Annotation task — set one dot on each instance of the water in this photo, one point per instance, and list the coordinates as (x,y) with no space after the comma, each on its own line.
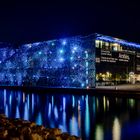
(89,117)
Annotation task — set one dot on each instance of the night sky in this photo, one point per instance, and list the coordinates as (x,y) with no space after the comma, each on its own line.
(32,21)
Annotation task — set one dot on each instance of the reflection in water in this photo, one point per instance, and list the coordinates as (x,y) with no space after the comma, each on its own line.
(87,118)
(99,133)
(131,102)
(91,117)
(116,129)
(74,125)
(26,113)
(104,103)
(107,104)
(97,104)
(33,103)
(63,126)
(23,97)
(4,97)
(73,101)
(79,118)
(56,113)
(28,101)
(39,119)
(6,111)
(52,101)
(94,106)
(64,103)
(17,112)
(10,100)
(49,112)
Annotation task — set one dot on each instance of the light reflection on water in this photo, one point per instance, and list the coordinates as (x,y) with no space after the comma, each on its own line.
(99,132)
(116,130)
(90,117)
(87,118)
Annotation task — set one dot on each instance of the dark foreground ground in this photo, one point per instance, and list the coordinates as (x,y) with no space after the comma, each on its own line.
(18,129)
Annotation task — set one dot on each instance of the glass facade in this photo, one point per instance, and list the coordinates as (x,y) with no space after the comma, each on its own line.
(117,61)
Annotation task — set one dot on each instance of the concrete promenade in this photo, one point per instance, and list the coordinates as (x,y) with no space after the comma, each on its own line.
(125,87)
(119,90)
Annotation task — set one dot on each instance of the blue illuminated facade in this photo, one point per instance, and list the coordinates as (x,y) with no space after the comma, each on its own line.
(63,63)
(75,62)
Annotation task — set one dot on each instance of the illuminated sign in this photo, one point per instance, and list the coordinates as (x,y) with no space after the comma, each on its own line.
(124,56)
(108,59)
(113,57)
(108,53)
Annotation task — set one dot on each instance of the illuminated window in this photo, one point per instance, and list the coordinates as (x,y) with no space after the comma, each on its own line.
(97,43)
(106,44)
(115,47)
(101,44)
(121,48)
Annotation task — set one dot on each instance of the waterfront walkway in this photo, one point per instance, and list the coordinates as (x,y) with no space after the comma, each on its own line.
(125,87)
(118,90)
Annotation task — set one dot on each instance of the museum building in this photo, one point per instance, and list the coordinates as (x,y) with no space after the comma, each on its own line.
(74,62)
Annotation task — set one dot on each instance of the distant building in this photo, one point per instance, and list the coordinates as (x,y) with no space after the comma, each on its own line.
(75,62)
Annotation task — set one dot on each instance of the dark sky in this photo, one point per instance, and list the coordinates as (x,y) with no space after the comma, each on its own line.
(31,21)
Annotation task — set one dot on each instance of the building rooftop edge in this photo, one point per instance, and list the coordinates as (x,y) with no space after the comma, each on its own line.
(116,40)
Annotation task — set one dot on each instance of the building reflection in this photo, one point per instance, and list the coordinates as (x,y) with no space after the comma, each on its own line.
(116,130)
(17,112)
(26,112)
(87,116)
(56,113)
(74,125)
(99,132)
(104,103)
(49,110)
(33,103)
(4,97)
(6,111)
(131,103)
(63,126)
(39,119)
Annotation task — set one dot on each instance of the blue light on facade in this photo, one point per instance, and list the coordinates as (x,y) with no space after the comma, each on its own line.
(71,58)
(64,42)
(52,43)
(61,59)
(73,51)
(82,85)
(39,52)
(75,48)
(61,51)
(29,45)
